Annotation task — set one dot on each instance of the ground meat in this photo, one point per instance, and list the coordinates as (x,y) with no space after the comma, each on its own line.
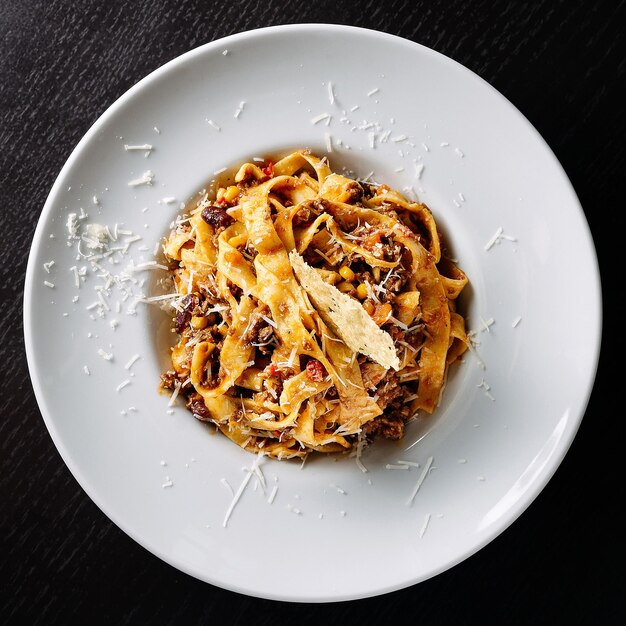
(388,390)
(302,215)
(216,216)
(388,426)
(315,370)
(265,336)
(396,333)
(235,290)
(372,374)
(255,324)
(196,405)
(275,383)
(169,380)
(369,190)
(391,249)
(394,284)
(183,317)
(356,192)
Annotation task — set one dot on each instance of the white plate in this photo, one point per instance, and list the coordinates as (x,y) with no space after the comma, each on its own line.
(332,532)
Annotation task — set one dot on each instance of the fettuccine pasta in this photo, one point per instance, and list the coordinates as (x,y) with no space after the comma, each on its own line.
(259,353)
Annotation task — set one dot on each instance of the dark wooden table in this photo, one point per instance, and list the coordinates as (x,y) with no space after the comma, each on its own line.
(63,63)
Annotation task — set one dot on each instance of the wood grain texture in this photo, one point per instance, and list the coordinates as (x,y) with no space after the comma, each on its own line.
(62,63)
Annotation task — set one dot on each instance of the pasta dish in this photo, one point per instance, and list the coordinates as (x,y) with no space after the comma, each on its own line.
(314,312)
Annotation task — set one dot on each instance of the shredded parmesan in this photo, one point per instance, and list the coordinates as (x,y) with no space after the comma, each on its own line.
(242,487)
(270,321)
(320,118)
(239,110)
(497,238)
(331,93)
(123,384)
(145,179)
(424,525)
(420,480)
(146,147)
(272,495)
(329,142)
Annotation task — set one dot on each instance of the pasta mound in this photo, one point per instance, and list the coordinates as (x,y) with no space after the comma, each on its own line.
(258,355)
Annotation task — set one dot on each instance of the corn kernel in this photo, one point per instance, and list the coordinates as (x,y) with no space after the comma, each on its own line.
(361,291)
(198,323)
(347,273)
(220,194)
(231,193)
(345,287)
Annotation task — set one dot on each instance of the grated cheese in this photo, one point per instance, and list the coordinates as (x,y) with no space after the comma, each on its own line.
(47,283)
(123,384)
(107,356)
(239,110)
(320,118)
(272,495)
(213,125)
(372,92)
(516,321)
(292,357)
(146,179)
(174,395)
(72,224)
(424,525)
(329,142)
(331,93)
(86,370)
(408,463)
(420,480)
(241,489)
(498,237)
(487,324)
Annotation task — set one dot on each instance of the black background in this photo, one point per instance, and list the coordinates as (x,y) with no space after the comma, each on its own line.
(62,64)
